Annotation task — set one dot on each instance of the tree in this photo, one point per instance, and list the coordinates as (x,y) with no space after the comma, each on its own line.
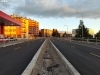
(97,34)
(40,34)
(85,30)
(65,34)
(55,33)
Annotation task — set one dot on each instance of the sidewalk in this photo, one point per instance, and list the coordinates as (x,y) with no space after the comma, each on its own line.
(4,44)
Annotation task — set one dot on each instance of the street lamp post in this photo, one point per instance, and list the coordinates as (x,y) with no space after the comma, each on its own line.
(82,25)
(67,28)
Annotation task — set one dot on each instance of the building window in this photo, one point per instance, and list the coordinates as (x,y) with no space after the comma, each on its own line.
(12,30)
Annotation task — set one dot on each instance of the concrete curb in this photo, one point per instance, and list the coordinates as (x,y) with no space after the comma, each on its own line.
(31,65)
(69,66)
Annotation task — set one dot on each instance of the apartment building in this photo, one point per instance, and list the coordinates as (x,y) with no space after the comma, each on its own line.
(46,32)
(35,28)
(21,31)
(28,29)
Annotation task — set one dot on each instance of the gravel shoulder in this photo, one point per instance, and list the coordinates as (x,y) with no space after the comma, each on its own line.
(49,62)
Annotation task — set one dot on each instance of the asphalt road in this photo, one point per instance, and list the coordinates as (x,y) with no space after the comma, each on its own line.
(14,59)
(85,59)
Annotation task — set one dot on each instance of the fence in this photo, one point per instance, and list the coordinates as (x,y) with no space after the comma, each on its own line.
(7,42)
(97,39)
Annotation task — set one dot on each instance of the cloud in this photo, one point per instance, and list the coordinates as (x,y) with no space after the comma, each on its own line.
(44,8)
(8,6)
(55,8)
(4,5)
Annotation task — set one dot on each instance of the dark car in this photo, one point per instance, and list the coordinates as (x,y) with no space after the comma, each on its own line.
(13,39)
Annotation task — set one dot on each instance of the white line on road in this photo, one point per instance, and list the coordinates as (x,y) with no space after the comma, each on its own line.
(86,46)
(95,55)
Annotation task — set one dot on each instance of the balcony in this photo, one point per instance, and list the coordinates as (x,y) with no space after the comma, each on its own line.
(23,31)
(23,26)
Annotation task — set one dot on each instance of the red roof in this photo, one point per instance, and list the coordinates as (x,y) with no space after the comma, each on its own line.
(5,16)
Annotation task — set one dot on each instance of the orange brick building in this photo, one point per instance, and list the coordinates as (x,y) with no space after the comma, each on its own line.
(34,27)
(28,29)
(46,32)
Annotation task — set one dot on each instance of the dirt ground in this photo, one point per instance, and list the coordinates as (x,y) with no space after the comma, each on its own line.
(49,63)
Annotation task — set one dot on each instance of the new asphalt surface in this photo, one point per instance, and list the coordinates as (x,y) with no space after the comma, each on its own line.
(85,58)
(15,58)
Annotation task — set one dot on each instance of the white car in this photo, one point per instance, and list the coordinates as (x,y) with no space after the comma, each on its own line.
(13,39)
(4,40)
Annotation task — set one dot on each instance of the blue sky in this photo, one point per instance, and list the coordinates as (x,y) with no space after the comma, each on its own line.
(56,13)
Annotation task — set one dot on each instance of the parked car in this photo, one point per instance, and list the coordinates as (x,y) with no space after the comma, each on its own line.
(4,40)
(13,39)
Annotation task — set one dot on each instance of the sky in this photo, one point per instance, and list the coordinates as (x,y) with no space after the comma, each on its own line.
(59,14)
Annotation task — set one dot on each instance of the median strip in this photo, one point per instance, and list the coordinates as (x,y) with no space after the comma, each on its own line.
(69,66)
(48,61)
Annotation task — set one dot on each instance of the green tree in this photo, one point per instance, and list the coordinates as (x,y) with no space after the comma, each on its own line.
(40,34)
(64,34)
(97,34)
(55,33)
(85,30)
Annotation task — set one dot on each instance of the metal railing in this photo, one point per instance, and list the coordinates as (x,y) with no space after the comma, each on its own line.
(91,40)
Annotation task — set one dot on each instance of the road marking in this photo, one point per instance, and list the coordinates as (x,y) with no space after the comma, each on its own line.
(87,46)
(95,55)
(16,48)
(73,46)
